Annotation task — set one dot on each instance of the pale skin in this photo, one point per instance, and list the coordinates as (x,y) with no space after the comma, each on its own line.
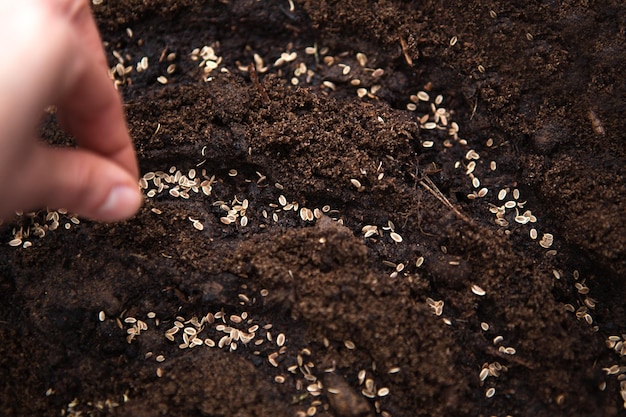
(51,54)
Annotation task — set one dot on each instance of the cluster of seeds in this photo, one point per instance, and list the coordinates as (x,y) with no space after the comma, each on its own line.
(77,409)
(38,224)
(436,306)
(371,231)
(435,118)
(176,183)
(209,61)
(233,331)
(618,344)
(619,371)
(493,370)
(508,208)
(583,312)
(236,211)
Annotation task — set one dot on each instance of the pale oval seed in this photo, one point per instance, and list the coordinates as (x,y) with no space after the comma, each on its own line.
(395,237)
(477,290)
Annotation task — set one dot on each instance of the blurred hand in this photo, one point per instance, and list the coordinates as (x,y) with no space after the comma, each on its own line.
(52,55)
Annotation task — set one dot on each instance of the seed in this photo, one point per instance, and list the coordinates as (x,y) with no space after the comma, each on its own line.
(361,376)
(477,290)
(349,344)
(419,261)
(453,41)
(423,96)
(476,182)
(244,221)
(280,339)
(224,341)
(428,144)
(279,379)
(490,392)
(101,316)
(395,237)
(484,374)
(384,391)
(502,194)
(484,326)
(361,58)
(162,80)
(159,372)
(430,125)
(510,204)
(160,358)
(522,219)
(533,233)
(546,240)
(356,183)
(198,225)
(15,242)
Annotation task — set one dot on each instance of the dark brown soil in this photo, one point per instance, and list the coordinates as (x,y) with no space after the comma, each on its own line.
(537,87)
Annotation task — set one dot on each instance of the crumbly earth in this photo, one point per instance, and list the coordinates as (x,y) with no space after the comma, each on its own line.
(338,318)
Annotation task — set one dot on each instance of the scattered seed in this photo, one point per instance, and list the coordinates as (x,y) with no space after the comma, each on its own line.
(478,291)
(490,392)
(102,316)
(382,392)
(395,237)
(423,96)
(280,339)
(349,344)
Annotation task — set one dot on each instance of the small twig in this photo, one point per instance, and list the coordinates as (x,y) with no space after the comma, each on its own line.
(474,109)
(432,188)
(405,51)
(255,80)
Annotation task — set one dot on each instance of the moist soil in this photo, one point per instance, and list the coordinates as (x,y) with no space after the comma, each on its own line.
(372,275)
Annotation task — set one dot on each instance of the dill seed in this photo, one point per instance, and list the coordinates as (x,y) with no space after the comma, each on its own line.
(478,291)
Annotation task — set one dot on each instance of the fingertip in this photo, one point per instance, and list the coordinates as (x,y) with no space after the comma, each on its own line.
(122,202)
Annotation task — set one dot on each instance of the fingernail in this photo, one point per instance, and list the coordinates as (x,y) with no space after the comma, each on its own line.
(122,202)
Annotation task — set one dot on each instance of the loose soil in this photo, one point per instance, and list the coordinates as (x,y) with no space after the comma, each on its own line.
(536,87)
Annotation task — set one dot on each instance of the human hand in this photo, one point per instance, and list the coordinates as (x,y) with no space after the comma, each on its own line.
(52,55)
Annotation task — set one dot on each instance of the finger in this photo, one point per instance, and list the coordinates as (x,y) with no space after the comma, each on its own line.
(90,108)
(81,181)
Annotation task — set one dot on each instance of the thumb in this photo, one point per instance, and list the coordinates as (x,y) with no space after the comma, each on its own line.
(78,180)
